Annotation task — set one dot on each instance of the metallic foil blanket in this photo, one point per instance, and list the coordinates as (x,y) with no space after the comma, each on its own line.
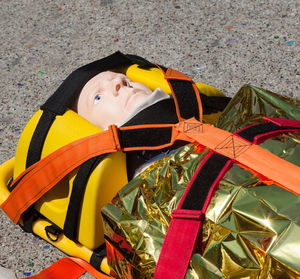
(252,225)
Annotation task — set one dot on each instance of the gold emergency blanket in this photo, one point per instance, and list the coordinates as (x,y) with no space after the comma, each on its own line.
(252,225)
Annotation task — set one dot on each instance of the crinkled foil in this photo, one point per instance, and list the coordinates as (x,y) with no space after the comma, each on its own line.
(251,104)
(252,225)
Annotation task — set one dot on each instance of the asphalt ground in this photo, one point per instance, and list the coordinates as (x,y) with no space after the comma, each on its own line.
(222,43)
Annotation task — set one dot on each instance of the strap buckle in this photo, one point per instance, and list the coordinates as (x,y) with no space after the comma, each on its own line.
(187,214)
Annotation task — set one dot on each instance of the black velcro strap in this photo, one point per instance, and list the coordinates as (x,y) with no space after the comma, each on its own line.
(75,203)
(186,98)
(162,112)
(251,132)
(29,217)
(213,104)
(38,138)
(145,137)
(98,256)
(185,95)
(204,180)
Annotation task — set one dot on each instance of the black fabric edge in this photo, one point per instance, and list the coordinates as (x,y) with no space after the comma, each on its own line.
(98,256)
(249,133)
(145,137)
(209,172)
(75,202)
(38,138)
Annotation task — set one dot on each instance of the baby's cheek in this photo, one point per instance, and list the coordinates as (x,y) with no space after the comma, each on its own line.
(106,115)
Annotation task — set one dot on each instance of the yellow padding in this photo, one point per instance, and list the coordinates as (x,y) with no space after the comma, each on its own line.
(63,243)
(6,173)
(105,181)
(154,78)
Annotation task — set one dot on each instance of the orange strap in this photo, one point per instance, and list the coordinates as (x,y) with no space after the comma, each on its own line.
(171,74)
(68,268)
(35,181)
(238,149)
(42,176)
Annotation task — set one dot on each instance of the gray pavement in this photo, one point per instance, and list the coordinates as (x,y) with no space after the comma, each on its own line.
(222,43)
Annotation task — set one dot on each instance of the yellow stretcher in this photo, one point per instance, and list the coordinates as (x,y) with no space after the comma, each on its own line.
(103,183)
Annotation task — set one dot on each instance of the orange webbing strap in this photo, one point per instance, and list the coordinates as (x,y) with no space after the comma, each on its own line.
(44,174)
(169,75)
(34,182)
(69,268)
(240,150)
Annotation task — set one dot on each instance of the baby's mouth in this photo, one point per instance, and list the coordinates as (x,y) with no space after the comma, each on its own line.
(127,102)
(135,93)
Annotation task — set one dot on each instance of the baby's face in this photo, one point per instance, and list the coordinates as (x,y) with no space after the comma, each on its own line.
(109,98)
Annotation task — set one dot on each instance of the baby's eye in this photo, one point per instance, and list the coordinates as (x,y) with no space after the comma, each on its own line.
(97,98)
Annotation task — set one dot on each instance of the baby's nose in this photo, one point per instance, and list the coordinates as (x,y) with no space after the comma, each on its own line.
(118,83)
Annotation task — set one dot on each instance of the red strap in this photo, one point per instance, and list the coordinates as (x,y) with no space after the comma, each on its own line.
(184,229)
(284,122)
(181,237)
(68,268)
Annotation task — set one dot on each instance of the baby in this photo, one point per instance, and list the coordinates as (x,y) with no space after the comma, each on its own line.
(112,98)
